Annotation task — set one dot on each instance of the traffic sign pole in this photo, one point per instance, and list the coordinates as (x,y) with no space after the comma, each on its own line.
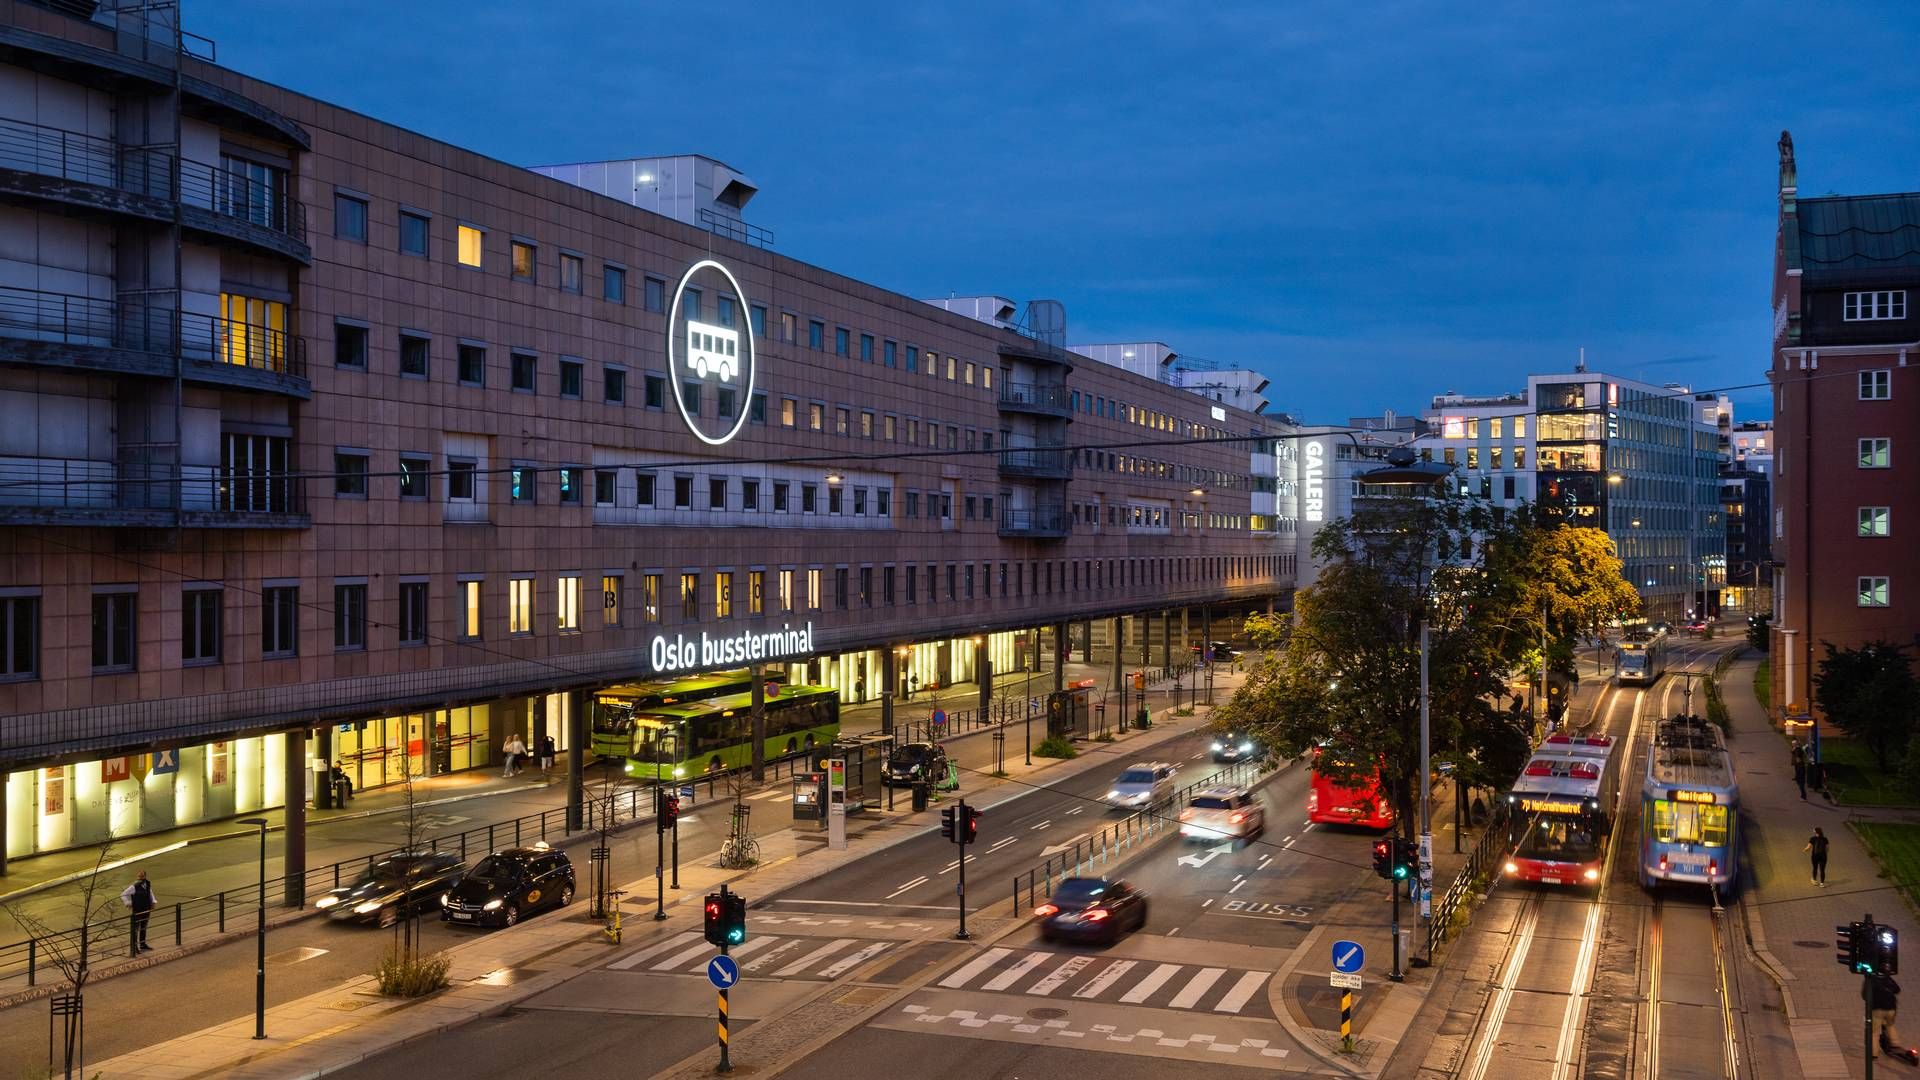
(960,841)
(725,1065)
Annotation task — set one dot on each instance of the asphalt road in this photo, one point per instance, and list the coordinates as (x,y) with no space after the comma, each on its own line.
(876,1054)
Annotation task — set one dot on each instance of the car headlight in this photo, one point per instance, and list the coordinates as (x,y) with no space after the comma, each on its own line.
(446,899)
(1217,748)
(493,905)
(367,908)
(1246,748)
(326,901)
(1113,794)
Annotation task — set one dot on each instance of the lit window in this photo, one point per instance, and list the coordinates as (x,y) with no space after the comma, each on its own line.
(611,585)
(469,594)
(1875,520)
(1876,453)
(1876,385)
(567,604)
(520,606)
(756,592)
(470,244)
(253,332)
(524,261)
(722,595)
(690,597)
(1874,592)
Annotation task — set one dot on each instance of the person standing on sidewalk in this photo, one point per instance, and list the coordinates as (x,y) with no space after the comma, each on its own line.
(1817,848)
(1800,773)
(139,897)
(512,751)
(1886,1005)
(546,754)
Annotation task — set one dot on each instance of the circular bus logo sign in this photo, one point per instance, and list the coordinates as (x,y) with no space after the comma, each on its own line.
(710,352)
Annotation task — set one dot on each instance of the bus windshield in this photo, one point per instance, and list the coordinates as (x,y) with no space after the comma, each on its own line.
(1560,838)
(1689,823)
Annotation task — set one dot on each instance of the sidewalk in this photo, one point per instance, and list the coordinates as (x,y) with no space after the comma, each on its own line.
(339,1027)
(1789,920)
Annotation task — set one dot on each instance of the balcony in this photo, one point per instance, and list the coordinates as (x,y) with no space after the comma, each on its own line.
(1035,523)
(65,492)
(93,173)
(1051,400)
(86,334)
(1037,462)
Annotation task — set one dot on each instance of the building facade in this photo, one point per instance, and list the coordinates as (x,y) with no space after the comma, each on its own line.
(325,440)
(1846,406)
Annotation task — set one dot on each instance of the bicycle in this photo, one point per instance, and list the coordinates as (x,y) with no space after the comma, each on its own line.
(739,852)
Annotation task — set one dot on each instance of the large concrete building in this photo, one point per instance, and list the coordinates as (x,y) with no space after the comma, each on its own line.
(1846,411)
(326,440)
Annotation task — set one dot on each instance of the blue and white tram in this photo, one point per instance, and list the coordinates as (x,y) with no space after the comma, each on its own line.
(1643,659)
(1689,808)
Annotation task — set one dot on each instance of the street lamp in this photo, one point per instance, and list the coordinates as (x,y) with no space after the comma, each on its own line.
(260,962)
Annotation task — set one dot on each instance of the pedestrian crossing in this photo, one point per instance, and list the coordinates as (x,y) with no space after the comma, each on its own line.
(1044,973)
(767,955)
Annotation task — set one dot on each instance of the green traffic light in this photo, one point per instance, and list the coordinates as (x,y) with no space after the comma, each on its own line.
(1400,873)
(736,936)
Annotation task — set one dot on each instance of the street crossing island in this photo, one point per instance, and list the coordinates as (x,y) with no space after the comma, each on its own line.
(672,652)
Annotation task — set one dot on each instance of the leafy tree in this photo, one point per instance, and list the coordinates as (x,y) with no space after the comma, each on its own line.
(1870,692)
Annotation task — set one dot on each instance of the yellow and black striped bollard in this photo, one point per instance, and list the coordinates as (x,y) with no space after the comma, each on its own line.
(1346,1022)
(725,1065)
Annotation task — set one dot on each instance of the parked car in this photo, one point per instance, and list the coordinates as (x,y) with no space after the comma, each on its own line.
(1697,626)
(1234,746)
(509,885)
(382,893)
(916,760)
(1091,909)
(1223,813)
(1222,652)
(1144,783)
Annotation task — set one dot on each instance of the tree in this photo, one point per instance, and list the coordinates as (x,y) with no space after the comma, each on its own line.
(1759,632)
(71,951)
(1576,574)
(1870,693)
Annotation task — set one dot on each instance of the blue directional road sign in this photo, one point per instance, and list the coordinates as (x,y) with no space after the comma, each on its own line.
(1348,957)
(939,717)
(723,972)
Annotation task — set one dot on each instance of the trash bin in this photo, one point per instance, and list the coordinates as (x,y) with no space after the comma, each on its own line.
(922,792)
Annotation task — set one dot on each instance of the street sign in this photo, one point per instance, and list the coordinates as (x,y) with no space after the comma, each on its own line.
(1348,957)
(1343,980)
(723,971)
(939,717)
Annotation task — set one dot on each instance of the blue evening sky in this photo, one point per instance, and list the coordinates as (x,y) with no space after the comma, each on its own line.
(1369,202)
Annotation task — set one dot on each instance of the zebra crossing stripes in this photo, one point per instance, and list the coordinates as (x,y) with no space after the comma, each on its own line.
(1196,988)
(780,957)
(974,967)
(1149,984)
(1018,971)
(1042,973)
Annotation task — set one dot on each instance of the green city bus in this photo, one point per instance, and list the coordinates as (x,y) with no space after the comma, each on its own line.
(613,707)
(677,741)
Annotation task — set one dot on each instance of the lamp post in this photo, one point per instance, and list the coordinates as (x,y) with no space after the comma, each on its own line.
(260,959)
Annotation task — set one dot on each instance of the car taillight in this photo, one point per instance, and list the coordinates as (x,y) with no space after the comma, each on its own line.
(1236,818)
(1097,915)
(1045,910)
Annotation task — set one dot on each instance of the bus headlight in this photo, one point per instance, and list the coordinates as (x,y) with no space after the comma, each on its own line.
(1513,868)
(1592,874)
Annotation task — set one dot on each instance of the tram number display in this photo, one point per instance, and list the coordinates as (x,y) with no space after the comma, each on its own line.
(1677,795)
(1550,806)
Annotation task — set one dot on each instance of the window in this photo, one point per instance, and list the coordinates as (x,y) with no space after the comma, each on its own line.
(723,311)
(690,396)
(724,401)
(1876,385)
(656,294)
(788,407)
(866,586)
(413,475)
(716,493)
(723,594)
(866,348)
(1873,592)
(891,351)
(886,585)
(350,473)
(472,362)
(809,498)
(690,303)
(613,284)
(813,589)
(913,504)
(816,334)
(470,245)
(526,372)
(650,596)
(614,385)
(881,502)
(986,376)
(413,613)
(523,482)
(841,337)
(605,484)
(349,346)
(969,375)
(643,488)
(611,586)
(1876,453)
(816,416)
(279,621)
(749,495)
(757,408)
(866,424)
(566,604)
(468,594)
(786,592)
(840,588)
(349,218)
(520,605)
(200,626)
(571,377)
(656,392)
(758,320)
(833,499)
(1867,306)
(413,233)
(570,481)
(756,592)
(525,260)
(414,351)
(913,584)
(841,420)
(460,480)
(1875,520)
(953,363)
(683,492)
(571,270)
(19,637)
(890,427)
(349,617)
(690,597)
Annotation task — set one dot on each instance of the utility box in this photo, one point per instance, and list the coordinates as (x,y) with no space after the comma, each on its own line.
(810,798)
(1070,713)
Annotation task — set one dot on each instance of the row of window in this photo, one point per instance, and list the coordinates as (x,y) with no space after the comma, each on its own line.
(1874,306)
(204,611)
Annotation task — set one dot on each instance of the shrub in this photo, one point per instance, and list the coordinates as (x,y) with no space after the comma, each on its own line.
(1105,736)
(1054,746)
(403,974)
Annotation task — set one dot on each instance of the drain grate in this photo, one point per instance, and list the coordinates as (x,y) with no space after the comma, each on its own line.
(1045,1014)
(1814,944)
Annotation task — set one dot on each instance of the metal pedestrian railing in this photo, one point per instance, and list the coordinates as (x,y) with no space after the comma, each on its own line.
(1481,863)
(1106,846)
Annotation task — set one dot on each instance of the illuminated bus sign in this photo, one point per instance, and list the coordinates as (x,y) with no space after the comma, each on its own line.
(675,652)
(707,359)
(1677,795)
(1313,483)
(1550,806)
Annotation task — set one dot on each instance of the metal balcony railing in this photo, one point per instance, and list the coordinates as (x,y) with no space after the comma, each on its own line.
(242,198)
(86,159)
(1037,461)
(1053,397)
(31,314)
(1035,521)
(32,485)
(735,229)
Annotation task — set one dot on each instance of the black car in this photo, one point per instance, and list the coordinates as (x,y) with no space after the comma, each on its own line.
(382,894)
(1234,746)
(509,885)
(1092,909)
(1223,653)
(917,760)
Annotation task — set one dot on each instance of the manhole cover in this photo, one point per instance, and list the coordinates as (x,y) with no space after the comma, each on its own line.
(1813,944)
(1045,1014)
(349,1005)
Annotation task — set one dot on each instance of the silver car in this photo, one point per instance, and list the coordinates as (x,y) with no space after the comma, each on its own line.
(1143,784)
(1223,813)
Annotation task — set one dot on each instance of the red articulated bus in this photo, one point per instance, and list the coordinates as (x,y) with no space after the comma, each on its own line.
(1330,802)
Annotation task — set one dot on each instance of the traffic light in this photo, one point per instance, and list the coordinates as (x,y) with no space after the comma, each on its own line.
(1383,858)
(725,919)
(1886,950)
(1405,856)
(946,823)
(715,926)
(666,810)
(970,825)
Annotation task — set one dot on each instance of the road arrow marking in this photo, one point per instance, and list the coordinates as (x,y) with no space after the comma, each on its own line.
(1202,860)
(1065,845)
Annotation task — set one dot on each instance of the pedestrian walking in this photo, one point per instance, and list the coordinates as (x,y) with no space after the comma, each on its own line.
(1817,848)
(512,751)
(139,899)
(1800,776)
(1886,1005)
(546,754)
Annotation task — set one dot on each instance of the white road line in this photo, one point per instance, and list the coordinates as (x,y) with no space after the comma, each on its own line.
(1075,810)
(974,967)
(1145,987)
(1288,839)
(998,844)
(1099,983)
(677,941)
(1236,887)
(814,957)
(856,959)
(1173,931)
(785,948)
(1059,976)
(1242,991)
(1207,903)
(1189,995)
(679,960)
(1042,825)
(914,884)
(944,908)
(1018,971)
(955,865)
(737,952)
(1264,860)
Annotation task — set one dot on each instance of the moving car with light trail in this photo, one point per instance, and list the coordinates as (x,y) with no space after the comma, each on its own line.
(382,894)
(1229,746)
(1143,784)
(1223,813)
(1092,909)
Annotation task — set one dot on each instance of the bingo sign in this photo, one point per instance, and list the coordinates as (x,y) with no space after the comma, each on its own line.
(710,351)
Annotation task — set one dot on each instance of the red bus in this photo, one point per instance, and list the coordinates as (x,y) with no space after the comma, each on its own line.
(1332,803)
